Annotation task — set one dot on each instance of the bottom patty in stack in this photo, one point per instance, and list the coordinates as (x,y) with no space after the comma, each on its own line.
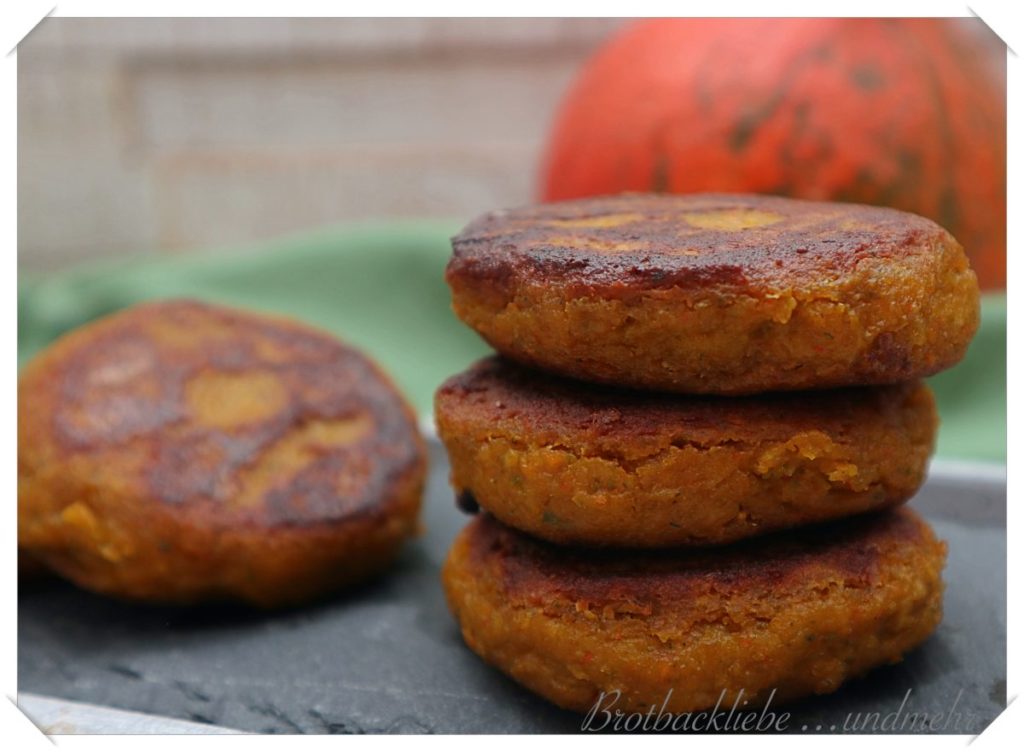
(793,614)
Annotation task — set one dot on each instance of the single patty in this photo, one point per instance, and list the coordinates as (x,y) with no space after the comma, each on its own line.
(796,613)
(717,294)
(580,463)
(179,452)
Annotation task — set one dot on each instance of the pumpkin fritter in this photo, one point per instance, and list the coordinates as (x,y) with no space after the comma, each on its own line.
(717,293)
(580,463)
(179,452)
(798,612)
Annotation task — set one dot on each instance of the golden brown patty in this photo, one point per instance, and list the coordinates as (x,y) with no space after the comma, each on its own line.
(798,612)
(179,452)
(578,463)
(717,294)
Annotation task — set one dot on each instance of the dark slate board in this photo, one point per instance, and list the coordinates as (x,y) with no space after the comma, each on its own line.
(388,657)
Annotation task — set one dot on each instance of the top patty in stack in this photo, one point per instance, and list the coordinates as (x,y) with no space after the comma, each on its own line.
(717,294)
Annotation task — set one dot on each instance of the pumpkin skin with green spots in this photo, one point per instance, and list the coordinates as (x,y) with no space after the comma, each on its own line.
(907,113)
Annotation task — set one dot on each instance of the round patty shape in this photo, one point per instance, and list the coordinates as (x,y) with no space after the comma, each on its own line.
(797,613)
(178,452)
(579,463)
(717,294)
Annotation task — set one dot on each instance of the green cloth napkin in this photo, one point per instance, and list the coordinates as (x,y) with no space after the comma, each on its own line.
(381,287)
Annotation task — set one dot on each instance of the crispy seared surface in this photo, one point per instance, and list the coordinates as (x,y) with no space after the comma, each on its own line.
(535,572)
(798,612)
(579,463)
(711,293)
(178,451)
(620,245)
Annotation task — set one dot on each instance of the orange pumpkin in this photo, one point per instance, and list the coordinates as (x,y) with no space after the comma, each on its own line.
(909,113)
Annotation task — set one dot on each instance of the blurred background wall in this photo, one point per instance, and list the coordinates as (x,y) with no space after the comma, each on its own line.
(150,136)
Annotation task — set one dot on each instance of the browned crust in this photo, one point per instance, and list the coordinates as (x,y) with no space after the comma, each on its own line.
(543,408)
(814,242)
(849,551)
(205,435)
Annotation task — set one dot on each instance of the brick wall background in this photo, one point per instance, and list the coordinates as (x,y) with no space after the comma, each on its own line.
(147,136)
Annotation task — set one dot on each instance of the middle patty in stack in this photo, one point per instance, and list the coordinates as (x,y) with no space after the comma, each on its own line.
(585,464)
(786,341)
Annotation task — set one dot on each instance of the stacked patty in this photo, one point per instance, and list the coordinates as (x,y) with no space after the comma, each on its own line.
(692,446)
